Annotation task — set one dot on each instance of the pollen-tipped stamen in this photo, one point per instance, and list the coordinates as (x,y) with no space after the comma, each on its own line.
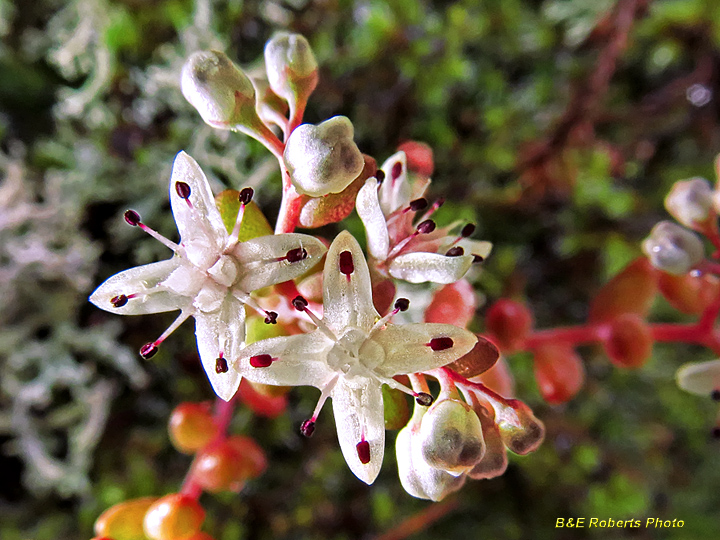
(456,251)
(363,451)
(433,208)
(300,304)
(245,196)
(183,190)
(307,428)
(440,343)
(221,365)
(261,360)
(133,219)
(402,304)
(152,348)
(270,316)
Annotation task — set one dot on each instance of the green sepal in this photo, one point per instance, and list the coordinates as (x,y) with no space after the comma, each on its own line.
(254,221)
(397,412)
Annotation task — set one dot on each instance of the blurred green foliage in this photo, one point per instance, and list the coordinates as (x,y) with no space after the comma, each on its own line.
(89,102)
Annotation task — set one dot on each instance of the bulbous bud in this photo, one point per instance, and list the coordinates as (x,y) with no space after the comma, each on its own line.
(630,291)
(252,460)
(451,436)
(418,477)
(688,293)
(174,517)
(520,430)
(219,90)
(495,461)
(672,248)
(291,65)
(216,469)
(191,427)
(124,521)
(453,304)
(690,201)
(700,378)
(323,159)
(509,322)
(261,402)
(559,372)
(630,341)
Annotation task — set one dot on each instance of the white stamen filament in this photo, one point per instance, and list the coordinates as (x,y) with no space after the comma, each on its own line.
(325,329)
(184,315)
(325,393)
(236,229)
(382,322)
(160,238)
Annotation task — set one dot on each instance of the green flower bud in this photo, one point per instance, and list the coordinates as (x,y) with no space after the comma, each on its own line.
(219,90)
(690,201)
(323,159)
(672,248)
(291,66)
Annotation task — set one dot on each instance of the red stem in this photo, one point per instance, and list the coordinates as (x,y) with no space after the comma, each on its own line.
(222,416)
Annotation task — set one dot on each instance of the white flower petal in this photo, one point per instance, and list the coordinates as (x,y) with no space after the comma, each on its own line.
(300,361)
(221,331)
(395,192)
(408,347)
(200,227)
(368,208)
(136,281)
(359,415)
(471,247)
(701,378)
(347,298)
(421,267)
(261,261)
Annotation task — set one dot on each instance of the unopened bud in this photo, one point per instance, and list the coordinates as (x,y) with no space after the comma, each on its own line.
(417,476)
(672,248)
(520,430)
(495,461)
(323,159)
(291,66)
(690,201)
(451,436)
(630,341)
(219,90)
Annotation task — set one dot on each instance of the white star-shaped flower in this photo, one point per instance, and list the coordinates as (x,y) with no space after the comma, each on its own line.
(420,252)
(351,354)
(210,276)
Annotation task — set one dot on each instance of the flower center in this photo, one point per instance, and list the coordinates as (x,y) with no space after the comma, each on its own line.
(354,355)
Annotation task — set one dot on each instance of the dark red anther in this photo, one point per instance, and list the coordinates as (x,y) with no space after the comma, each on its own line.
(299,303)
(363,451)
(424,399)
(467,230)
(478,259)
(296,255)
(402,304)
(148,350)
(347,266)
(715,395)
(455,251)
(261,360)
(271,317)
(132,218)
(119,301)
(426,226)
(380,176)
(246,195)
(182,189)
(439,202)
(441,343)
(418,204)
(221,365)
(396,170)
(715,433)
(307,428)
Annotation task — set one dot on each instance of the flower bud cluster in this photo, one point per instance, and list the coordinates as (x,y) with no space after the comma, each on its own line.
(452,440)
